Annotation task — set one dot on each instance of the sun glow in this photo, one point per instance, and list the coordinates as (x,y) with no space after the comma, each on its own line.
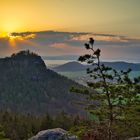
(12,39)
(4,34)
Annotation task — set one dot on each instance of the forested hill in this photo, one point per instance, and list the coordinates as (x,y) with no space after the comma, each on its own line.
(27,86)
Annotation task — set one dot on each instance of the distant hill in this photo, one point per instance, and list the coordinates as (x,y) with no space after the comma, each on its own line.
(123,65)
(70,66)
(27,86)
(76,66)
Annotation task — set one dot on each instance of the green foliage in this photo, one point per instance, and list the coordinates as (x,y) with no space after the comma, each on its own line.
(21,127)
(78,130)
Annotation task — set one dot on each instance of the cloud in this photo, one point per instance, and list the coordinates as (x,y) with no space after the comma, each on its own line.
(107,39)
(53,43)
(26,35)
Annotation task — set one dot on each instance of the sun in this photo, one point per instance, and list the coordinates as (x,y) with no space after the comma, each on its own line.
(3,34)
(6,35)
(9,26)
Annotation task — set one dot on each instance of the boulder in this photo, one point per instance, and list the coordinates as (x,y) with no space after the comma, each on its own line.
(54,134)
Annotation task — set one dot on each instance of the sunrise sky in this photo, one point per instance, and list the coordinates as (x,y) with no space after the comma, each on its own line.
(103,18)
(111,16)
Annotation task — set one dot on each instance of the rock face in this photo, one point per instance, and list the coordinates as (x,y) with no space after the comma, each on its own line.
(54,134)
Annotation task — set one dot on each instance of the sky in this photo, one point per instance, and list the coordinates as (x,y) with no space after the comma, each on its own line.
(101,19)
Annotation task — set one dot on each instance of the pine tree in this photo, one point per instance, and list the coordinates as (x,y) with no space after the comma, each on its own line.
(114,90)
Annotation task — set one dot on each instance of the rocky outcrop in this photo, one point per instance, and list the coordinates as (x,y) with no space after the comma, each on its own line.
(54,134)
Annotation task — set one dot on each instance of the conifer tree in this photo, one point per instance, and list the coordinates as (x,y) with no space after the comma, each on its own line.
(115,91)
